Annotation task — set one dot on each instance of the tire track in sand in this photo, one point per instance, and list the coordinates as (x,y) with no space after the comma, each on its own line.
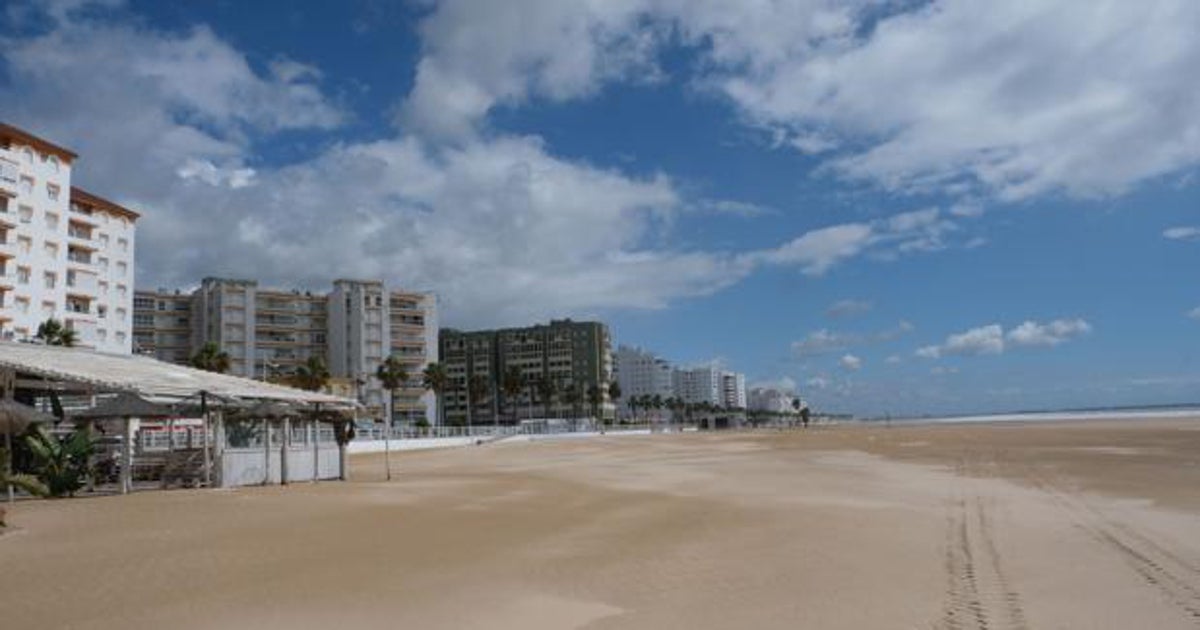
(1173,576)
(979,595)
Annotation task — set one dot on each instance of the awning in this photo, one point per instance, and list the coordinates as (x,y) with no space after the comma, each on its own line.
(145,376)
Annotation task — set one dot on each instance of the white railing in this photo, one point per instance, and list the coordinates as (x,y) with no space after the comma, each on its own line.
(487,431)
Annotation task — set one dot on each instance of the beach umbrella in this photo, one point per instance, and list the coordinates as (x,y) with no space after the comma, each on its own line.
(15,418)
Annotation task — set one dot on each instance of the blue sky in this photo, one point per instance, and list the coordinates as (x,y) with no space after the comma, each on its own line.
(893,207)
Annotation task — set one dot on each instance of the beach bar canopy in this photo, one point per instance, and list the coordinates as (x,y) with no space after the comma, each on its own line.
(263,445)
(145,376)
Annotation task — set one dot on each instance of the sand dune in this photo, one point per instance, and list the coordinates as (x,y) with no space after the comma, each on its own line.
(1079,525)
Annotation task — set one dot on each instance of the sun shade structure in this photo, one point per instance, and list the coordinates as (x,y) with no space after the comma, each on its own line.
(249,432)
(145,376)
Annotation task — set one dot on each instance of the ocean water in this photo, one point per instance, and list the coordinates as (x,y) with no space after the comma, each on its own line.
(1145,413)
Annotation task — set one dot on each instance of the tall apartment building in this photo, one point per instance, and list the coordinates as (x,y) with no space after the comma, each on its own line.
(641,373)
(569,354)
(771,400)
(269,333)
(710,384)
(64,253)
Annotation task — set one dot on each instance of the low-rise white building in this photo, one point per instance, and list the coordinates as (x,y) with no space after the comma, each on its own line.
(65,253)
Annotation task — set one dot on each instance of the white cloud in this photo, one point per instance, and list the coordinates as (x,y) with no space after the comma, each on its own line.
(850,362)
(1032,333)
(939,370)
(990,339)
(818,383)
(1195,313)
(929,352)
(825,341)
(1182,233)
(1007,99)
(893,360)
(848,308)
(818,251)
(983,340)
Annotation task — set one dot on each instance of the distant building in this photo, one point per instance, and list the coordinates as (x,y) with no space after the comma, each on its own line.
(710,384)
(569,354)
(770,400)
(65,253)
(641,373)
(733,390)
(270,333)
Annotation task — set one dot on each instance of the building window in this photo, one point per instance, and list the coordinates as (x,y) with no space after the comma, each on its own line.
(121,315)
(121,291)
(26,185)
(53,162)
(123,243)
(101,311)
(23,275)
(51,221)
(27,153)
(25,243)
(122,268)
(49,279)
(103,240)
(52,191)
(26,214)
(101,334)
(51,249)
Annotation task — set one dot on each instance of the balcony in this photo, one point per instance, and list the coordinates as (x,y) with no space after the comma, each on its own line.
(8,277)
(8,247)
(9,175)
(80,235)
(81,283)
(79,256)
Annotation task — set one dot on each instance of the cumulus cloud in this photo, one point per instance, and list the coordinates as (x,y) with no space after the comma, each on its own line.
(1182,233)
(1009,99)
(893,360)
(825,341)
(1032,333)
(1195,313)
(848,308)
(850,363)
(990,339)
(817,251)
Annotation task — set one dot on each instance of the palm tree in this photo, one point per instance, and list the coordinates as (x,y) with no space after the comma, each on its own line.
(435,379)
(656,403)
(62,465)
(512,384)
(573,397)
(478,387)
(594,398)
(548,391)
(210,358)
(54,333)
(312,375)
(614,394)
(392,376)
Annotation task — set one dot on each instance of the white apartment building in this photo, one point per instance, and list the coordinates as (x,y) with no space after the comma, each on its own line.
(698,385)
(64,253)
(733,390)
(641,373)
(770,400)
(710,384)
(270,332)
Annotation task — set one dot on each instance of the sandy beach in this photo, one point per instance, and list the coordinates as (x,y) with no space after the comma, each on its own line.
(1054,525)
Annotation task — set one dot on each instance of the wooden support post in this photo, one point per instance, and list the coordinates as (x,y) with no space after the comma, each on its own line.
(315,427)
(219,449)
(284,443)
(127,456)
(207,450)
(266,424)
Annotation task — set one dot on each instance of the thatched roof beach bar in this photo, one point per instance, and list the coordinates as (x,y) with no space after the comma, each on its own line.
(237,443)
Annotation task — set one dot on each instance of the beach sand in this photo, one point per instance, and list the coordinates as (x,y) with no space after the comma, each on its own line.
(1054,525)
